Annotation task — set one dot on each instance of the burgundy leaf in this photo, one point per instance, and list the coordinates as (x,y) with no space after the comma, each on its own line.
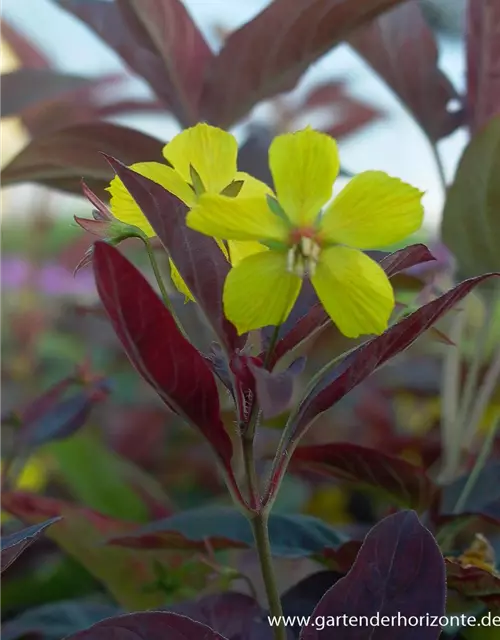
(27,53)
(360,364)
(199,260)
(81,104)
(157,349)
(403,483)
(268,55)
(183,50)
(148,625)
(60,159)
(15,543)
(483,54)
(470,580)
(399,571)
(107,21)
(401,49)
(317,319)
(25,88)
(80,533)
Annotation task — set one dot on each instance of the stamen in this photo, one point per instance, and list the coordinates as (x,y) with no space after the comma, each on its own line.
(302,258)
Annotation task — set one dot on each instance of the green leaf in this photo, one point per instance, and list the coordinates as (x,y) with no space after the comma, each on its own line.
(292,535)
(471,217)
(94,477)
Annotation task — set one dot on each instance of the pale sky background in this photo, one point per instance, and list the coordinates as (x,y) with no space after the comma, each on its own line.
(395,144)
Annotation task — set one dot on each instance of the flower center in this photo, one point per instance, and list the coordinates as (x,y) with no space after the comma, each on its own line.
(303,256)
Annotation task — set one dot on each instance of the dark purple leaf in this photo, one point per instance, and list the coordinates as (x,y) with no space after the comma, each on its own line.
(64,418)
(483,51)
(148,625)
(359,365)
(268,55)
(107,21)
(403,483)
(401,48)
(25,88)
(233,615)
(275,390)
(292,536)
(316,318)
(157,349)
(343,558)
(15,543)
(301,599)
(398,571)
(46,401)
(26,52)
(183,49)
(199,260)
(62,158)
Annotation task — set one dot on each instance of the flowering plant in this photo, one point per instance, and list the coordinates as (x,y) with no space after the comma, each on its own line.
(262,263)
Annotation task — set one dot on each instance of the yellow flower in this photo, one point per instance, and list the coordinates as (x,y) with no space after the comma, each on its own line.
(33,478)
(373,210)
(199,160)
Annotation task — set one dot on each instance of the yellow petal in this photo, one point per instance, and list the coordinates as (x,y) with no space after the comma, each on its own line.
(237,218)
(210,150)
(238,250)
(260,291)
(354,291)
(251,186)
(374,210)
(179,283)
(125,209)
(304,166)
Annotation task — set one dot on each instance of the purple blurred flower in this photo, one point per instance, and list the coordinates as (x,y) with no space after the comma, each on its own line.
(50,279)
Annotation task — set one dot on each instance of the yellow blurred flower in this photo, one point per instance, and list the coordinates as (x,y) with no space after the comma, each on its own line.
(33,478)
(373,210)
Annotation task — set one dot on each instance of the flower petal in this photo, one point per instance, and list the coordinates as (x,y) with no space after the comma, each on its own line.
(210,150)
(304,166)
(251,186)
(374,210)
(179,283)
(354,291)
(260,291)
(238,250)
(124,207)
(237,218)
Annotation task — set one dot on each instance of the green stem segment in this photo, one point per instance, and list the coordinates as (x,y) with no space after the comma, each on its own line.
(161,284)
(261,535)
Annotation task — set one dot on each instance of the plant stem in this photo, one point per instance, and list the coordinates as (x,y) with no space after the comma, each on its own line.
(478,466)
(263,545)
(161,284)
(470,387)
(449,401)
(250,474)
(439,164)
(485,392)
